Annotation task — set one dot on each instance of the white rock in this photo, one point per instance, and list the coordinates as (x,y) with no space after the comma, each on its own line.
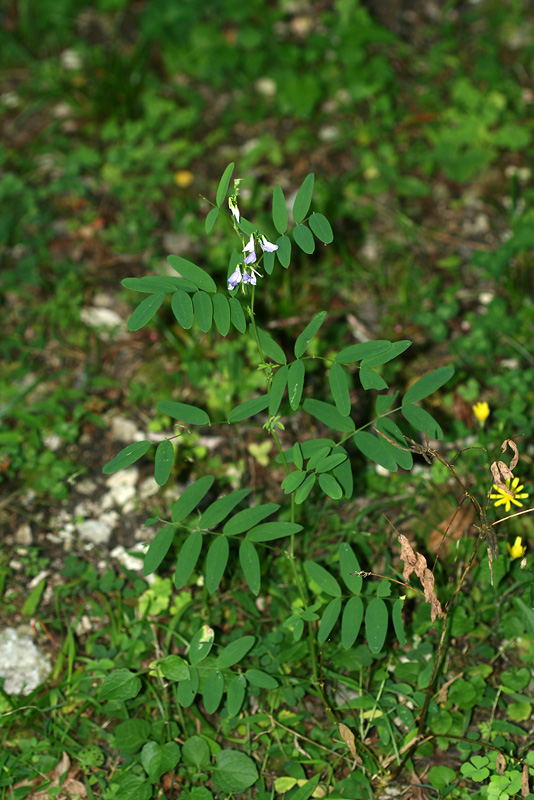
(23,535)
(125,430)
(86,486)
(97,531)
(105,321)
(118,496)
(53,442)
(148,488)
(22,665)
(124,477)
(125,557)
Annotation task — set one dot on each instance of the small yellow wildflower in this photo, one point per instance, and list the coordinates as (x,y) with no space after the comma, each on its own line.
(517,550)
(503,499)
(481,411)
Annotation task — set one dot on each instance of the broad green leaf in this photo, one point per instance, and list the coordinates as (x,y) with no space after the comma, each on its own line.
(329,619)
(247,227)
(422,421)
(351,621)
(370,379)
(301,206)
(309,332)
(201,644)
(330,486)
(328,415)
(190,498)
(187,560)
(376,624)
(304,489)
(382,358)
(220,509)
(163,462)
(249,408)
(234,772)
(278,387)
(328,463)
(121,684)
(343,473)
(304,238)
(250,564)
(235,695)
(284,251)
(261,679)
(268,263)
(237,315)
(184,412)
(222,188)
(293,481)
(321,228)
(187,690)
(182,308)
(158,549)
(295,383)
(268,531)
(279,210)
(221,313)
(211,219)
(355,352)
(398,624)
(374,448)
(203,310)
(192,273)
(144,312)
(216,562)
(427,384)
(339,386)
(159,758)
(128,455)
(196,752)
(173,667)
(270,348)
(246,519)
(212,691)
(131,735)
(348,563)
(234,652)
(157,283)
(323,578)
(402,455)
(385,401)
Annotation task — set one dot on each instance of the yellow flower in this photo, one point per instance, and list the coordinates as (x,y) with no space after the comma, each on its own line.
(517,550)
(481,411)
(503,499)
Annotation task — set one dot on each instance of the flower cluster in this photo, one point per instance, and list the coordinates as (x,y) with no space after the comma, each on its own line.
(250,275)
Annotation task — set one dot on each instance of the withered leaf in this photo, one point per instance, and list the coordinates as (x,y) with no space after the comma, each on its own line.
(415,562)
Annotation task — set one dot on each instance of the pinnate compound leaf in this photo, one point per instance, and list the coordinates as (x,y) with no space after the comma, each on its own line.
(304,238)
(270,348)
(211,219)
(295,383)
(192,273)
(163,462)
(356,352)
(216,562)
(182,308)
(234,652)
(187,560)
(382,358)
(235,695)
(268,531)
(278,387)
(249,408)
(398,624)
(374,448)
(212,691)
(427,384)
(309,332)
(183,412)
(337,377)
(203,310)
(328,415)
(234,772)
(351,621)
(246,519)
(422,421)
(158,549)
(201,644)
(284,251)
(301,206)
(348,563)
(279,210)
(220,509)
(128,455)
(222,188)
(376,624)
(328,620)
(190,498)
(250,564)
(370,379)
(304,489)
(321,228)
(330,486)
(237,315)
(323,578)
(121,684)
(144,312)
(221,313)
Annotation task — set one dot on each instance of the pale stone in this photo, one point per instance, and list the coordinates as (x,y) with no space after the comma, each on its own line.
(124,477)
(23,535)
(128,560)
(125,430)
(96,531)
(22,665)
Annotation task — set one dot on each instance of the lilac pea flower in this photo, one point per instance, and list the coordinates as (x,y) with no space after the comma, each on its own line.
(250,278)
(233,208)
(235,278)
(249,248)
(266,246)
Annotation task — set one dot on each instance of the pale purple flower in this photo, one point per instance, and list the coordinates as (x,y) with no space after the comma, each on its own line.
(235,278)
(249,248)
(250,278)
(266,246)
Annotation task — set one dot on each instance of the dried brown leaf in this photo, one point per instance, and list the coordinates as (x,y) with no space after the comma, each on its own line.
(525,791)
(512,445)
(415,562)
(501,763)
(501,473)
(348,737)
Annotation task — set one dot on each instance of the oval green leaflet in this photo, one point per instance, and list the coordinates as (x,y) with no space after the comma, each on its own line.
(304,238)
(234,652)
(158,549)
(127,456)
(295,383)
(376,624)
(328,620)
(212,690)
(250,564)
(144,312)
(321,228)
(309,332)
(216,561)
(192,273)
(222,188)
(182,308)
(351,621)
(163,462)
(302,203)
(187,560)
(279,210)
(201,644)
(190,498)
(183,412)
(324,580)
(203,310)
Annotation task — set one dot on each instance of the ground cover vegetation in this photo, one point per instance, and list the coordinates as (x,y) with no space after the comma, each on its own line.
(272,264)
